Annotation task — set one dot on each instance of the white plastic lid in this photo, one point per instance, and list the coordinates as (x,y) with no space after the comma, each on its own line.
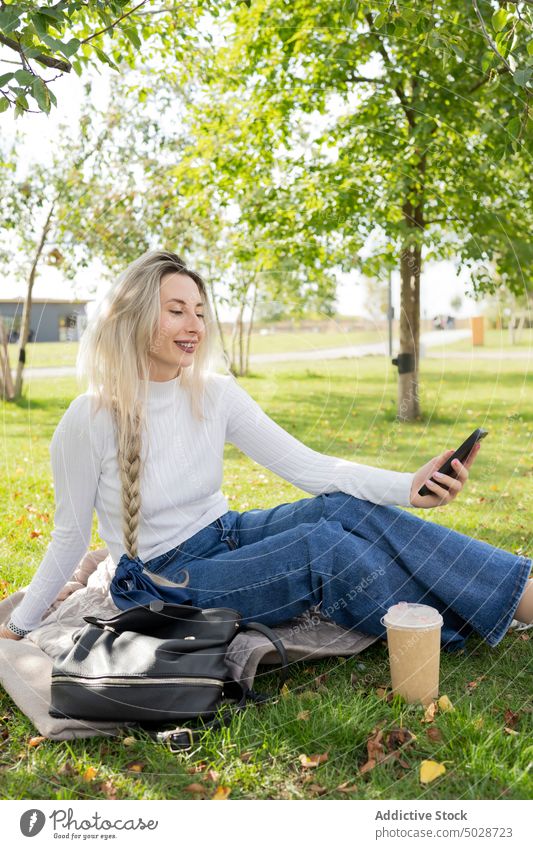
(408,615)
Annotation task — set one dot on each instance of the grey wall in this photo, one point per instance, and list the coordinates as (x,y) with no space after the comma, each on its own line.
(45,320)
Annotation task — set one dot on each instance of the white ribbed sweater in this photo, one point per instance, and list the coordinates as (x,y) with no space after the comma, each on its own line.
(181,486)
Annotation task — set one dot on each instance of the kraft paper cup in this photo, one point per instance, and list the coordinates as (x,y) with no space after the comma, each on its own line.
(413,639)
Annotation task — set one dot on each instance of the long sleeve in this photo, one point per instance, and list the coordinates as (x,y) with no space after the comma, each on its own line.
(257,435)
(75,458)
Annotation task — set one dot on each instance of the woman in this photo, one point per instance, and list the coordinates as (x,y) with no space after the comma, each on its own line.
(144,447)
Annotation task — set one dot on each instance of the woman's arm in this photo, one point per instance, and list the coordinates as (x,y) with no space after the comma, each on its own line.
(76,460)
(250,429)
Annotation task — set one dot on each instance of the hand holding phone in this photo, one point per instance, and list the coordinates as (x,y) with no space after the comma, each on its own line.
(461,454)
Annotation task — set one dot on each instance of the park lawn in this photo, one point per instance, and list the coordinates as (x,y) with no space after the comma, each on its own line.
(51,354)
(346,408)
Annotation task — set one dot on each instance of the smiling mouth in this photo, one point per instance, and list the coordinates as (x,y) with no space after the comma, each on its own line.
(188,347)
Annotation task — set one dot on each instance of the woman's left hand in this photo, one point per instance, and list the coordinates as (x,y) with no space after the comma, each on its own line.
(452,486)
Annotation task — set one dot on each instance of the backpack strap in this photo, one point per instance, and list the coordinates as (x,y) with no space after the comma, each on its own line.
(275,640)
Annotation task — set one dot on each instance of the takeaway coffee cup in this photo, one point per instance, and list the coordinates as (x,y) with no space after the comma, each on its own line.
(413,638)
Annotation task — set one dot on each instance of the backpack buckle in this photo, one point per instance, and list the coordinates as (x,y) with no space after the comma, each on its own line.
(177,739)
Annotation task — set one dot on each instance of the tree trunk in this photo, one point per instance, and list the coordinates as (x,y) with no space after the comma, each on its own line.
(250,326)
(26,313)
(408,399)
(7,391)
(217,319)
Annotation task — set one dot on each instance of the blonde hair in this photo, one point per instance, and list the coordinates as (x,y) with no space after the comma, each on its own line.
(114,357)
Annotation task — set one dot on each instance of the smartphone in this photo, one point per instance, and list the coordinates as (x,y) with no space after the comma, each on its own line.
(461,454)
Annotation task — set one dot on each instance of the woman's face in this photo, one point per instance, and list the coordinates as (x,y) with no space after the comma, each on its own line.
(181,328)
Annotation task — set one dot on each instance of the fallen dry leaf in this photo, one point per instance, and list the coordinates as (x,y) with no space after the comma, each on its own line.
(398,737)
(129,741)
(284,692)
(318,789)
(135,766)
(434,734)
(510,731)
(430,770)
(221,793)
(346,787)
(524,637)
(200,767)
(511,718)
(429,713)
(108,789)
(89,773)
(472,685)
(245,757)
(34,741)
(313,760)
(445,704)
(66,769)
(304,715)
(196,788)
(212,775)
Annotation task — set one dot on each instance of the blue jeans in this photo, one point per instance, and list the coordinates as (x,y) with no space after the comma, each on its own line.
(354,559)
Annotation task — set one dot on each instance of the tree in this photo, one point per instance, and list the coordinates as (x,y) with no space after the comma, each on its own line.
(49,39)
(393,128)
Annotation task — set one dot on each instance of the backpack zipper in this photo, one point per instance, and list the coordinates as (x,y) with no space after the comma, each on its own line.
(121,681)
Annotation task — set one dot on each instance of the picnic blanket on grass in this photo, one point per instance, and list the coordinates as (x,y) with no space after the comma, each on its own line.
(26,665)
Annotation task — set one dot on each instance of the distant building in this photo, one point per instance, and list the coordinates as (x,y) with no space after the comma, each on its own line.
(51,320)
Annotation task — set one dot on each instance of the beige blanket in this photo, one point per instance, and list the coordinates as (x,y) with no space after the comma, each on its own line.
(26,665)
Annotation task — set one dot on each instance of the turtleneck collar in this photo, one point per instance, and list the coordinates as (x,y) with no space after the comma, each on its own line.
(161,388)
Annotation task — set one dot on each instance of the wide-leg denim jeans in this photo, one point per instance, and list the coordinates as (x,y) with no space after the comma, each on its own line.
(352,558)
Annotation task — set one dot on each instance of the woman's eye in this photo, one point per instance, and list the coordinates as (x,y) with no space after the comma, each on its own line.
(179,312)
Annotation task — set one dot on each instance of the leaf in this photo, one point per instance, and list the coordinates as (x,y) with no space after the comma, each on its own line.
(24,77)
(434,734)
(108,789)
(312,760)
(34,741)
(40,93)
(429,713)
(346,787)
(510,731)
(129,741)
(135,766)
(221,793)
(4,104)
(304,715)
(212,775)
(196,788)
(319,789)
(430,770)
(499,19)
(89,773)
(522,76)
(4,78)
(511,718)
(284,692)
(245,757)
(445,704)
(399,737)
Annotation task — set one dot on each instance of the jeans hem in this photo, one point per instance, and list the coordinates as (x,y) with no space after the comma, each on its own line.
(498,632)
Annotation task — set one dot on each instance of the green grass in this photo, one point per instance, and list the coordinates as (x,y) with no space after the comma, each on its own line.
(345,408)
(49,354)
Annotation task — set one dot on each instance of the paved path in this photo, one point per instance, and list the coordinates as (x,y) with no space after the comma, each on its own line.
(427,340)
